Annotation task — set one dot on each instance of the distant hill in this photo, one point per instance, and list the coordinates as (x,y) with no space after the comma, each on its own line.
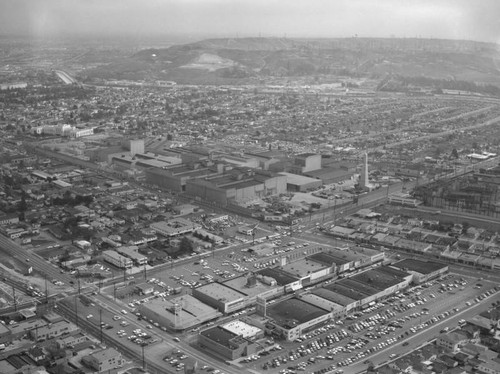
(244,60)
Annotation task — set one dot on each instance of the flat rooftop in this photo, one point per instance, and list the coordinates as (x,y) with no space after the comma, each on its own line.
(327,259)
(6,367)
(240,283)
(333,297)
(299,180)
(282,277)
(349,254)
(422,267)
(290,312)
(346,291)
(329,172)
(364,288)
(320,302)
(241,184)
(220,336)
(193,311)
(220,291)
(302,268)
(380,278)
(241,328)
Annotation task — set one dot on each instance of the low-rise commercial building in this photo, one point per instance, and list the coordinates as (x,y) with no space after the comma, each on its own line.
(52,330)
(132,252)
(225,343)
(178,314)
(104,360)
(422,271)
(175,227)
(117,259)
(223,298)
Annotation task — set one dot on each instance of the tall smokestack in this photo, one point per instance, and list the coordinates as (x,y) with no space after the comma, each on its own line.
(363,180)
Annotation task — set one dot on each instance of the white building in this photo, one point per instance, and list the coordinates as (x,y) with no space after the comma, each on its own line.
(174,227)
(78,133)
(117,259)
(133,253)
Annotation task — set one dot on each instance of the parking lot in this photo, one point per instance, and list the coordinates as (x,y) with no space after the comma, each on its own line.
(376,328)
(174,280)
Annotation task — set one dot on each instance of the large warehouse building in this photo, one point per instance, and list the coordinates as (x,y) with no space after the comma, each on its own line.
(218,181)
(300,183)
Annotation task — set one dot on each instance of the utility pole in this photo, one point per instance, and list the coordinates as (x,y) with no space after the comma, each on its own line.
(14,297)
(143,361)
(100,322)
(76,311)
(46,290)
(78,280)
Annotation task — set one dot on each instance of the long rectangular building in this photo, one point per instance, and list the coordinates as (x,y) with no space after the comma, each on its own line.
(132,253)
(175,227)
(117,259)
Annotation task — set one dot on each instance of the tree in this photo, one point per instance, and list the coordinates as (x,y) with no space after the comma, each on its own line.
(185,245)
(454,153)
(22,206)
(465,227)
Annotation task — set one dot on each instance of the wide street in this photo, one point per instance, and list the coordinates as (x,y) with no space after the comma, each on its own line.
(13,250)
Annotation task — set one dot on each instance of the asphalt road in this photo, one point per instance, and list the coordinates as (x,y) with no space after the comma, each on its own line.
(12,249)
(104,310)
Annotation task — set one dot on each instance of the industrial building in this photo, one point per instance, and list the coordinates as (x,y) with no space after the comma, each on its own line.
(333,172)
(237,185)
(217,181)
(175,178)
(306,162)
(300,183)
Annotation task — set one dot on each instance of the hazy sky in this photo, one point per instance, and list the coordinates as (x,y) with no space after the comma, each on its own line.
(454,19)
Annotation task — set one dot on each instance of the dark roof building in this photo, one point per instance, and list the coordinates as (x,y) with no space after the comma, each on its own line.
(225,344)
